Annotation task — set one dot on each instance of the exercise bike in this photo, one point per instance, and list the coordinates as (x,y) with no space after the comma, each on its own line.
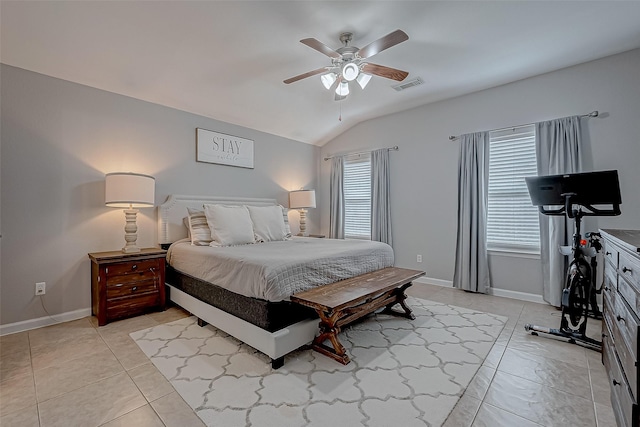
(577,194)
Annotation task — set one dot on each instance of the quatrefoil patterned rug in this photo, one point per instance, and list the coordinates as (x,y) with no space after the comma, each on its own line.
(402,372)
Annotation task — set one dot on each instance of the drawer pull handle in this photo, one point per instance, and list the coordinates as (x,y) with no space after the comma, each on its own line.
(607,253)
(620,318)
(616,382)
(625,270)
(135,288)
(606,288)
(134,266)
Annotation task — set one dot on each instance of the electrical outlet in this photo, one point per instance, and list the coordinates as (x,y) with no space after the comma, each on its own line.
(419,258)
(41,288)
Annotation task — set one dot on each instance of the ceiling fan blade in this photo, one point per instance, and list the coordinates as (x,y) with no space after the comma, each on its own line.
(390,40)
(321,47)
(305,75)
(386,72)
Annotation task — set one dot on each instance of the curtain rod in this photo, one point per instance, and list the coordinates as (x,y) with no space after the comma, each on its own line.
(591,114)
(394,148)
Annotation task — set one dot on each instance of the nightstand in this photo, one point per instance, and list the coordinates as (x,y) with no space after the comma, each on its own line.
(124,285)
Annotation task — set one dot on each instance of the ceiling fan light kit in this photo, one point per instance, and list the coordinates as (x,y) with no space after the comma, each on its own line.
(348,63)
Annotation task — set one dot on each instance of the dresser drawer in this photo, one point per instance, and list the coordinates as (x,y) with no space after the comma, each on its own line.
(627,324)
(629,269)
(624,406)
(140,268)
(125,290)
(610,252)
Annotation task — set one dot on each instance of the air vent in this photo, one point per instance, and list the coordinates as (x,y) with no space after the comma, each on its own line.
(406,85)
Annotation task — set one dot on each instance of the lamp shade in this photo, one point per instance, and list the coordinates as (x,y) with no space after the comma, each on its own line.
(126,189)
(302,199)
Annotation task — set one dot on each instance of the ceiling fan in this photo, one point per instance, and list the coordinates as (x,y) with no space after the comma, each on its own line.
(350,63)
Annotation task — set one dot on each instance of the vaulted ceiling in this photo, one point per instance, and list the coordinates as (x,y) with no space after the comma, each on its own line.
(227,59)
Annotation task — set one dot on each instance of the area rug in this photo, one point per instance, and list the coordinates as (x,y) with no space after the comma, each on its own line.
(402,372)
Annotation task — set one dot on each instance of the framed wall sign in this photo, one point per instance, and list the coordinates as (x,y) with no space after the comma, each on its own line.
(215,147)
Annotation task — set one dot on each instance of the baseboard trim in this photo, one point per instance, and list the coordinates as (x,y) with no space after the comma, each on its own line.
(26,325)
(522,296)
(434,281)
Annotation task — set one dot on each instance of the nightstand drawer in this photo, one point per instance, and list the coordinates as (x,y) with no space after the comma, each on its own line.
(121,290)
(627,324)
(610,252)
(124,307)
(144,267)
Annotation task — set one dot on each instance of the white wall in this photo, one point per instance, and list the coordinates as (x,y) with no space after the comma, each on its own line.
(58,141)
(424,171)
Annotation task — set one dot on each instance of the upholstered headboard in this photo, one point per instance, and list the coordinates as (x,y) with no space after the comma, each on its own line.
(172,212)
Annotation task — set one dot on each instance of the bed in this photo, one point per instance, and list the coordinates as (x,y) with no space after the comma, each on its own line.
(250,301)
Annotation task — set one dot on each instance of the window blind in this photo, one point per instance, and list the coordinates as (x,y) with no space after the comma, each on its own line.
(512,222)
(357,198)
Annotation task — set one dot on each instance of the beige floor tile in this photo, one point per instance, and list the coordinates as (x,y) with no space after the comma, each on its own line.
(74,374)
(549,372)
(144,416)
(604,416)
(174,412)
(422,290)
(15,363)
(92,405)
(494,356)
(14,342)
(150,381)
(480,383)
(56,353)
(548,347)
(463,413)
(127,351)
(169,315)
(600,387)
(61,333)
(17,393)
(491,416)
(538,403)
(121,328)
(27,417)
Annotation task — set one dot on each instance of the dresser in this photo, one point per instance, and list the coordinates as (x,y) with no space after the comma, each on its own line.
(621,325)
(124,285)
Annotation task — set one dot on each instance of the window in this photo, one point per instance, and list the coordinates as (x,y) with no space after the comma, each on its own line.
(512,222)
(357,198)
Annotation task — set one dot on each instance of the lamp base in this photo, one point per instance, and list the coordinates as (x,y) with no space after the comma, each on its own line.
(303,223)
(130,232)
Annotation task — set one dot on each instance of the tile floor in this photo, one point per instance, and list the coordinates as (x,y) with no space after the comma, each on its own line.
(75,374)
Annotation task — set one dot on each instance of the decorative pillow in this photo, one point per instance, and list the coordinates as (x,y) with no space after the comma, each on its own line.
(198,228)
(185,221)
(229,225)
(285,217)
(268,223)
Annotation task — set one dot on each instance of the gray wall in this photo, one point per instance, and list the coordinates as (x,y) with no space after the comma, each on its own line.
(58,141)
(424,171)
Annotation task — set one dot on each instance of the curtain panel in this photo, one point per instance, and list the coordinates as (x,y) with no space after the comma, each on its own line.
(336,196)
(380,196)
(558,151)
(471,271)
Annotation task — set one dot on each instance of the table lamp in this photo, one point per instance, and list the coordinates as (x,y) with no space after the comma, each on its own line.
(130,191)
(302,200)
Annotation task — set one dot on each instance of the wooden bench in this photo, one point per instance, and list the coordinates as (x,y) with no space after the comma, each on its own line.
(340,303)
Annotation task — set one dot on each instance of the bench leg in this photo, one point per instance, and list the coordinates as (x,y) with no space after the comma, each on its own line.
(400,297)
(329,331)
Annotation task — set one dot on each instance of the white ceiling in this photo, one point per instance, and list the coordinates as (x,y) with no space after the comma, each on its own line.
(227,60)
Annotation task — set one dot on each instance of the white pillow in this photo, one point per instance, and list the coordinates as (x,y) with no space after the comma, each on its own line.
(199,231)
(268,223)
(229,225)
